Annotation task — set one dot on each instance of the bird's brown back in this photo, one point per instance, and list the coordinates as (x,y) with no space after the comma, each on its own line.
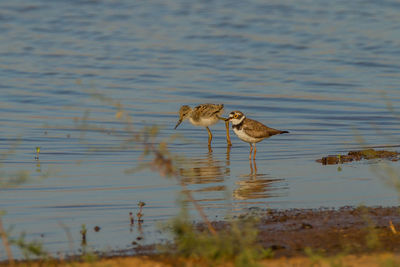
(207,111)
(259,130)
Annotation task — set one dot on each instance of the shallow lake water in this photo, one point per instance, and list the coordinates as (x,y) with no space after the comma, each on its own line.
(328,72)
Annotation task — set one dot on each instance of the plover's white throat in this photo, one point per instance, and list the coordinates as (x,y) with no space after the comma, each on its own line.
(204,115)
(250,131)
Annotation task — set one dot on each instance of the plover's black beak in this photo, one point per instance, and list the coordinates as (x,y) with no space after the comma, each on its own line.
(179,122)
(227,119)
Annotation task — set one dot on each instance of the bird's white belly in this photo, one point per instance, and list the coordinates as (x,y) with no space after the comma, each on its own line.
(204,122)
(243,136)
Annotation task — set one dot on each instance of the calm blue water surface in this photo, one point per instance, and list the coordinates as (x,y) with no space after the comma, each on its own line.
(327,71)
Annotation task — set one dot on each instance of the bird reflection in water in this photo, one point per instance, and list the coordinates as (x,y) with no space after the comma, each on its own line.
(256,185)
(210,173)
(206,170)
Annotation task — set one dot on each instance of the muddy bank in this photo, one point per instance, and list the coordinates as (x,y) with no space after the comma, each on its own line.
(346,230)
(352,230)
(359,155)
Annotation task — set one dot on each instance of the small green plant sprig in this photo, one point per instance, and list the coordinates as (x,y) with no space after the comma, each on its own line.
(30,249)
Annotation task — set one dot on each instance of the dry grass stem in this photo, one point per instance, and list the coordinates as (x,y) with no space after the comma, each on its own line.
(6,243)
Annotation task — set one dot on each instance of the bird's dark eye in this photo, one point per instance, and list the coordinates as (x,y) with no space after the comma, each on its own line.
(235,116)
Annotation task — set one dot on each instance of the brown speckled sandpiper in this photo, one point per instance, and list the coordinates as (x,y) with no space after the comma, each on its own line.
(204,115)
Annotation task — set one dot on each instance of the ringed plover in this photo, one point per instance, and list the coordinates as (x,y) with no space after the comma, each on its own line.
(250,131)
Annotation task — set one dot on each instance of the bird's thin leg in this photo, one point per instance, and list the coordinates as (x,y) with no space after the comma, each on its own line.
(251,150)
(228,155)
(209,136)
(251,167)
(228,138)
(255,151)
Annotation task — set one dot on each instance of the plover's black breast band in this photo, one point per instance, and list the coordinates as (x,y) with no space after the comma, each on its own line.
(238,126)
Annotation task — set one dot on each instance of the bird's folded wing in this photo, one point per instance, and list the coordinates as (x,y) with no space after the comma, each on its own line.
(208,110)
(259,130)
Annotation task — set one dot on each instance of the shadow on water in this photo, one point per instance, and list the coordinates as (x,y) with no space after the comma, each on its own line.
(256,185)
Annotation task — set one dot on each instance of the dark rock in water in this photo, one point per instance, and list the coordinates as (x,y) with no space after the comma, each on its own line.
(329,160)
(359,155)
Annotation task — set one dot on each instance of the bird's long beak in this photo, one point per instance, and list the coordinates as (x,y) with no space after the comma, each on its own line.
(179,122)
(227,119)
